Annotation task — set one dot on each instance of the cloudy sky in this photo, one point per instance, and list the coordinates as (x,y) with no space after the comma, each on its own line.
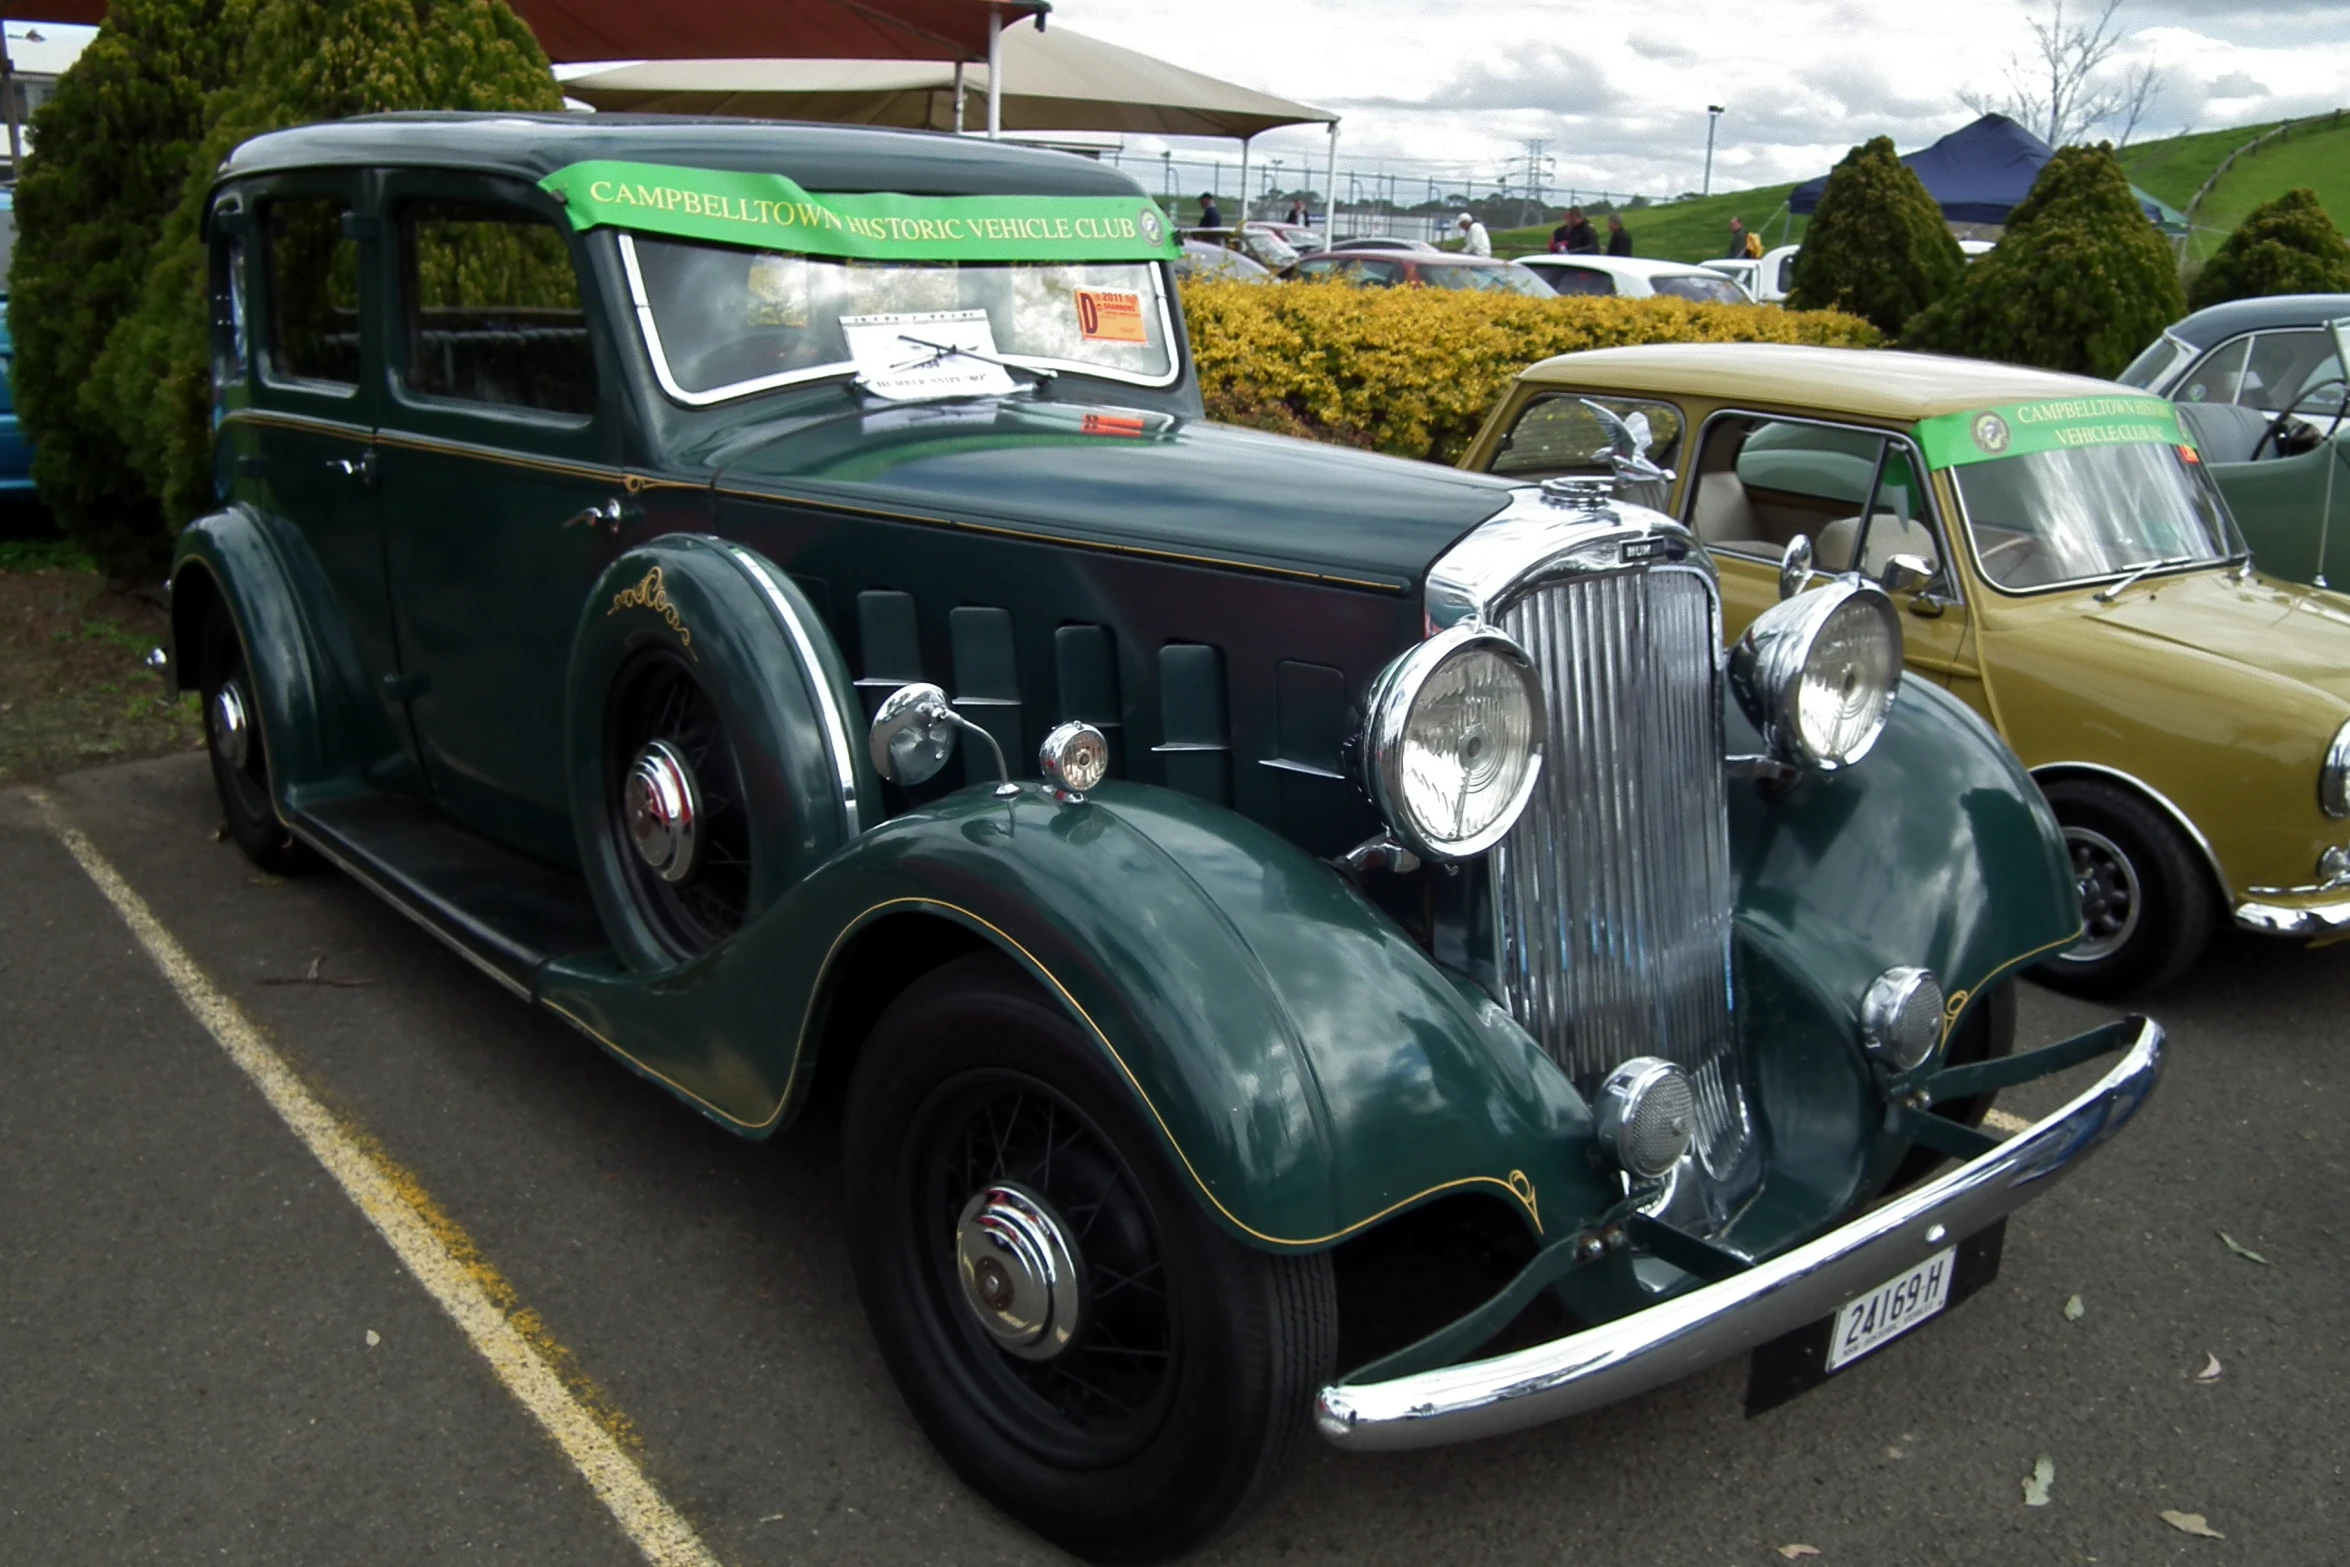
(1619,90)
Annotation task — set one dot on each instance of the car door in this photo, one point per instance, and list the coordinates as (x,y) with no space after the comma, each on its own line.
(299,444)
(1859,494)
(503,498)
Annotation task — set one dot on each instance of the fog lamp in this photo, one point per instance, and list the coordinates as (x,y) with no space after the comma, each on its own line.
(1074,757)
(1817,674)
(1901,1017)
(1647,1116)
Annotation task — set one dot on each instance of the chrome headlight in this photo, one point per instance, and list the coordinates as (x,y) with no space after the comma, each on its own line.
(2333,776)
(1817,673)
(1454,742)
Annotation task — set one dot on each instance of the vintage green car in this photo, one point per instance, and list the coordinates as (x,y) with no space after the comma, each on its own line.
(2065,566)
(620,522)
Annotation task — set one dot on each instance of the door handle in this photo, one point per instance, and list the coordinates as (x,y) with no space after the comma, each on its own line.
(361,467)
(609,513)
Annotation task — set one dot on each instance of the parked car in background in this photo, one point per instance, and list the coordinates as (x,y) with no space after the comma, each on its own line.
(2063,564)
(1199,258)
(2260,384)
(1766,279)
(608,580)
(1303,238)
(16,453)
(1635,277)
(1423,269)
(1260,245)
(1386,242)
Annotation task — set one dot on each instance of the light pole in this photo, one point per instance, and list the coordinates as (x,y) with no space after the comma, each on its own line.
(1713,117)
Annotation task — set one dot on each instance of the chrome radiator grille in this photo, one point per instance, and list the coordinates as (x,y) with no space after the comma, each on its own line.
(1613,895)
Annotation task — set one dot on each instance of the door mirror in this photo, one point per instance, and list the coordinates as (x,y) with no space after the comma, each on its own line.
(1905,574)
(1795,567)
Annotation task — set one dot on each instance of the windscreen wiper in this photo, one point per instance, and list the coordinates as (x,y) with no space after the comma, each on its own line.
(940,351)
(2114,590)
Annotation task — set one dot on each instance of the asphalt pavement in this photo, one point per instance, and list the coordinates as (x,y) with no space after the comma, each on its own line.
(207,1353)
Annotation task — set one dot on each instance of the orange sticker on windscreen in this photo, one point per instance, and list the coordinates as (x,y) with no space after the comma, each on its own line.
(1109,315)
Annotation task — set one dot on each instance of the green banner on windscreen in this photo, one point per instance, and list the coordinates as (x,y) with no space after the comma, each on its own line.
(2055,425)
(772,212)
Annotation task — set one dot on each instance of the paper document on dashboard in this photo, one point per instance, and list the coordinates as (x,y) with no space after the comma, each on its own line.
(912,354)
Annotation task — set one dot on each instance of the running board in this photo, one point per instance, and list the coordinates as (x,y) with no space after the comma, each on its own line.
(505,913)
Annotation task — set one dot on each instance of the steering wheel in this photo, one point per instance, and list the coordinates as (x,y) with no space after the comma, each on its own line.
(2024,543)
(2275,433)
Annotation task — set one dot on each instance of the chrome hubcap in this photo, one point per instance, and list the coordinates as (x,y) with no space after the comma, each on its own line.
(1018,1270)
(2110,897)
(663,807)
(232,732)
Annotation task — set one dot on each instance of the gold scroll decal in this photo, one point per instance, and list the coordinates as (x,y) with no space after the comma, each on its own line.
(652,594)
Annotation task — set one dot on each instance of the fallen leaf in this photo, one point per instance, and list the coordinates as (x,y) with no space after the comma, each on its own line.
(1793,1551)
(2190,1523)
(2210,1371)
(373,1338)
(2036,1488)
(2241,1250)
(2073,1309)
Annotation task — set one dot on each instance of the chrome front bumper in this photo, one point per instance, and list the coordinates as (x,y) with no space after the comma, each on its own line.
(1677,1336)
(2285,919)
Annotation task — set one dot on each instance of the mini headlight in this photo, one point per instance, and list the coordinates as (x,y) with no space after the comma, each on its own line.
(2333,775)
(1817,673)
(1901,1017)
(1646,1116)
(1455,742)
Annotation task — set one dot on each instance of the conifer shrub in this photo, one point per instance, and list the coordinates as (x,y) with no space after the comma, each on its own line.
(2081,281)
(2288,246)
(1413,371)
(301,61)
(1877,247)
(109,158)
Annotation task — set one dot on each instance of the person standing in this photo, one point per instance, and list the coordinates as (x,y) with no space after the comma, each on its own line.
(1297,212)
(1575,236)
(1474,241)
(1619,238)
(1737,238)
(1211,216)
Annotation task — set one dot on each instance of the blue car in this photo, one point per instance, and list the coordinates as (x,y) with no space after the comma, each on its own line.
(16,453)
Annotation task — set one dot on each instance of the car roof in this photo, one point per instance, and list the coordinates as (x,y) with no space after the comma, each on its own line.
(1623,266)
(2217,323)
(819,157)
(1872,383)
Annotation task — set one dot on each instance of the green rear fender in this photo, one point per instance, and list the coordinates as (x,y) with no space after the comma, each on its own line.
(1310,1068)
(325,731)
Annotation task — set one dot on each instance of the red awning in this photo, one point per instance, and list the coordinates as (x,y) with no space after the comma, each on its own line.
(714,29)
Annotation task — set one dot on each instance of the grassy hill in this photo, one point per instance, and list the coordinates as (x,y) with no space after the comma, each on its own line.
(2173,168)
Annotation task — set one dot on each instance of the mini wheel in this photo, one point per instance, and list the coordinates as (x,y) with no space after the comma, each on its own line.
(2146,899)
(239,756)
(1077,1337)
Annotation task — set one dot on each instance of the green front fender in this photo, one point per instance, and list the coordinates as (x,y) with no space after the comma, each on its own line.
(326,733)
(1309,1066)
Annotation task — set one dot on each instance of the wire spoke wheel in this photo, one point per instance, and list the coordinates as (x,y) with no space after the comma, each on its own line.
(662,717)
(1104,1392)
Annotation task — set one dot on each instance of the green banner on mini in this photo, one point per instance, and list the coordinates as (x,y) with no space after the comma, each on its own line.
(2054,425)
(772,212)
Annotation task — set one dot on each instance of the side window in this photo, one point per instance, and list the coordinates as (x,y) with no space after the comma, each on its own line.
(1376,274)
(2285,365)
(1321,269)
(1578,280)
(2215,380)
(491,308)
(313,292)
(1558,436)
(1854,493)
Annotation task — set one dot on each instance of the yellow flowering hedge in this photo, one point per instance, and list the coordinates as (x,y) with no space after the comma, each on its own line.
(1413,371)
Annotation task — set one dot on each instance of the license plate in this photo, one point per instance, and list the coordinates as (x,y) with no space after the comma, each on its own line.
(1891,1309)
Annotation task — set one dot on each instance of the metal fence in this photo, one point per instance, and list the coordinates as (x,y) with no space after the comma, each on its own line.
(1370,200)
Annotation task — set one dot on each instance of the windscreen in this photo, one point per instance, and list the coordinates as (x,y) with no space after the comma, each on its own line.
(2066,516)
(727,321)
(1704,290)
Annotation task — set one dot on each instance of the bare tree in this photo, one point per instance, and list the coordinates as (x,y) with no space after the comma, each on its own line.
(2057,90)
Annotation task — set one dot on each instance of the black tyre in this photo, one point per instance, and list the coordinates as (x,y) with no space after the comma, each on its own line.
(676,807)
(240,759)
(2146,899)
(1987,1033)
(1136,1409)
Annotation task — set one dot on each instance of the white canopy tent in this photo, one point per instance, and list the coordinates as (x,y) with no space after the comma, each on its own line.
(1053,80)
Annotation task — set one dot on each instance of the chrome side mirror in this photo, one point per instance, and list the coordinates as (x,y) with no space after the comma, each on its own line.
(914,735)
(1795,567)
(1905,574)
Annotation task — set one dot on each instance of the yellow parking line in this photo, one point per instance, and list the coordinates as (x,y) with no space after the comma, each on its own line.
(2001,1121)
(403,1216)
